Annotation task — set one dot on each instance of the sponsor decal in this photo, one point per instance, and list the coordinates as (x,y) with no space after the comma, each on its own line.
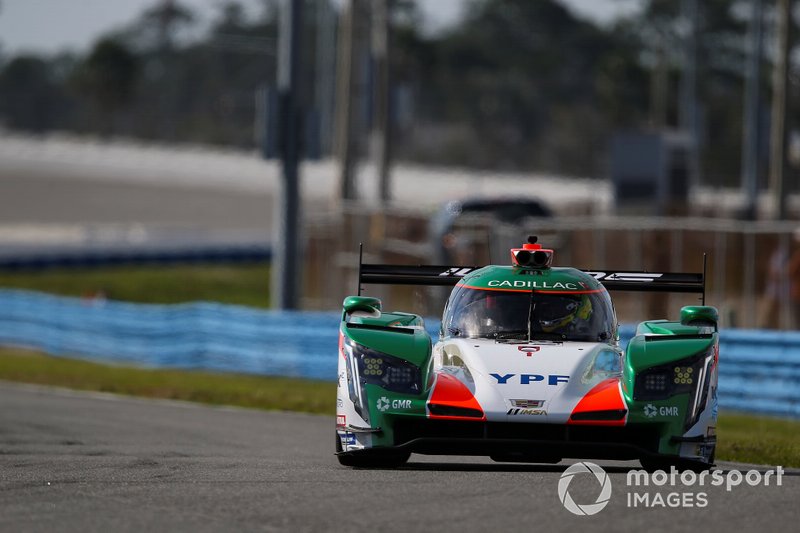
(342,377)
(384,403)
(714,404)
(529,350)
(339,402)
(673,489)
(528,284)
(640,277)
(687,480)
(341,421)
(457,271)
(535,412)
(584,469)
(527,404)
(349,439)
(651,410)
(527,379)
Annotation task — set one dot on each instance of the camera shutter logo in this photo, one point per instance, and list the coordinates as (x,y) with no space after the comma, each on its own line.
(590,508)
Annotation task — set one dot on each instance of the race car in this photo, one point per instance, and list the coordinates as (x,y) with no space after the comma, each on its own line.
(527,368)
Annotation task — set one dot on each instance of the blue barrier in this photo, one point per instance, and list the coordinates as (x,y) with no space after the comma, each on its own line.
(759,370)
(199,335)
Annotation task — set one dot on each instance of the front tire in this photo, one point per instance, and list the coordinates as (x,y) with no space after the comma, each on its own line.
(523,458)
(368,459)
(651,464)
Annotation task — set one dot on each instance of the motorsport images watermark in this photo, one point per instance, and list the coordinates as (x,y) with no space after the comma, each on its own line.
(637,481)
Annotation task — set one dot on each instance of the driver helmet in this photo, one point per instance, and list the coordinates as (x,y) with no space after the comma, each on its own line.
(564,311)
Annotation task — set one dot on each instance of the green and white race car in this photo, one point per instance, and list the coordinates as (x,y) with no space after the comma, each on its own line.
(527,368)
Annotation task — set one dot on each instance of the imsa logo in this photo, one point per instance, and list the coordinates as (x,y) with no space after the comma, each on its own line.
(535,412)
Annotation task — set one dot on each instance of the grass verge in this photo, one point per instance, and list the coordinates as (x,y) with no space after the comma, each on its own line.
(758,439)
(231,284)
(742,438)
(259,392)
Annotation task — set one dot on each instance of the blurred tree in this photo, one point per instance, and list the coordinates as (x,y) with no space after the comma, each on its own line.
(517,84)
(163,20)
(107,77)
(231,18)
(525,83)
(721,31)
(30,97)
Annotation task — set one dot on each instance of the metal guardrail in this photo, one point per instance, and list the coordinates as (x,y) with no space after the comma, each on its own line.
(759,370)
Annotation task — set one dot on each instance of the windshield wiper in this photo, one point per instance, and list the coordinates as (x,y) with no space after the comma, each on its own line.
(511,334)
(545,336)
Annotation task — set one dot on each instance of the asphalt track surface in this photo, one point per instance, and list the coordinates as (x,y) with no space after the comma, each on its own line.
(73,461)
(38,197)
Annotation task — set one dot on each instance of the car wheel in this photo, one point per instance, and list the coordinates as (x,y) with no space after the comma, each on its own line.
(651,464)
(368,460)
(521,458)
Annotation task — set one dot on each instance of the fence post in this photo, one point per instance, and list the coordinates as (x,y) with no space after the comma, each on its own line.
(748,292)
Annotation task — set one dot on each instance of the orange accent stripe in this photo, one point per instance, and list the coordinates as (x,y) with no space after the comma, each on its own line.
(451,392)
(546,291)
(605,396)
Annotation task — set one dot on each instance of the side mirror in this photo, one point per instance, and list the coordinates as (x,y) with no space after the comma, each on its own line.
(701,316)
(364,304)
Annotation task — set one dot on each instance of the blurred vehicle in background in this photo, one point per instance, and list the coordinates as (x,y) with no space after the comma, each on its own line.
(451,246)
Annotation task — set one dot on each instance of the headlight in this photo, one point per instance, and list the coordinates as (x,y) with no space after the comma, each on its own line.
(386,371)
(367,366)
(664,381)
(689,376)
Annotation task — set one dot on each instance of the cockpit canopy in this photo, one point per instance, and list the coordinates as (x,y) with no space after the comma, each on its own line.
(529,315)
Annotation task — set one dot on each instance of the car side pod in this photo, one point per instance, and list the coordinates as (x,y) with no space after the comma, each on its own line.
(670,380)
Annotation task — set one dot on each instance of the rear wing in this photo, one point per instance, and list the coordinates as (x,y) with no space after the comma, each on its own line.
(413,275)
(432,275)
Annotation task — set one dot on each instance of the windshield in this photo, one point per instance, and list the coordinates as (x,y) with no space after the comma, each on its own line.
(476,313)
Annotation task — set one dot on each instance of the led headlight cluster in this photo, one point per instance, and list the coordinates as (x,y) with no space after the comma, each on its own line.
(665,381)
(656,382)
(400,375)
(373,366)
(366,366)
(683,375)
(391,373)
(691,376)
